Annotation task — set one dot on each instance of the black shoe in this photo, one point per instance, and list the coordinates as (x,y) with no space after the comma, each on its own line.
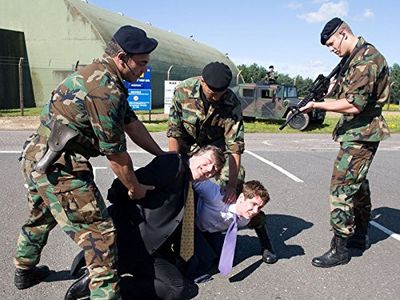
(269,257)
(79,289)
(338,254)
(267,250)
(24,279)
(78,264)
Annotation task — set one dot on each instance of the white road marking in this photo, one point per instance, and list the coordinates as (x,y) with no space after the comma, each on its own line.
(276,167)
(10,152)
(385,230)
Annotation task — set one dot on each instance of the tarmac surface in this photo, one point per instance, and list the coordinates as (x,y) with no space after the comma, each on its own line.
(296,169)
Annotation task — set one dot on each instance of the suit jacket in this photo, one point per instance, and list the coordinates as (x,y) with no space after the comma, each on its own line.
(143,226)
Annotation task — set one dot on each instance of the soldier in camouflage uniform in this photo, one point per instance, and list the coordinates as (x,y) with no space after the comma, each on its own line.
(205,111)
(361,91)
(93,102)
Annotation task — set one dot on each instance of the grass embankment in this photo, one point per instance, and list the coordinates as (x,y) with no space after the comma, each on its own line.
(157,121)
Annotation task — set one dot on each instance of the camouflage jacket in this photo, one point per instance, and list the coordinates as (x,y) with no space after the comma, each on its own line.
(92,101)
(222,126)
(366,85)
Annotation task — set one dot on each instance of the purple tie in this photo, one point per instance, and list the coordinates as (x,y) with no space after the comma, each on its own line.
(228,249)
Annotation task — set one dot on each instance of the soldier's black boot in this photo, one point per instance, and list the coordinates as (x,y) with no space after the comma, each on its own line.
(359,239)
(78,264)
(80,288)
(338,254)
(267,251)
(24,279)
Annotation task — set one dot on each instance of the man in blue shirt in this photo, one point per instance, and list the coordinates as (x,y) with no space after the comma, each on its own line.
(213,217)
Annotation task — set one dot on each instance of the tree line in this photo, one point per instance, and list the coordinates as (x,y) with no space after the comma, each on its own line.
(255,73)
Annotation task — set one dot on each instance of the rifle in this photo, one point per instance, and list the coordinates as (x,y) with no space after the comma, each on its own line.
(316,92)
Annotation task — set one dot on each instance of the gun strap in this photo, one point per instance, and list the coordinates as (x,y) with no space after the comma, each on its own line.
(347,60)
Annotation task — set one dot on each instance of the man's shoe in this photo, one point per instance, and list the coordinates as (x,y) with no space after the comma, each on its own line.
(269,257)
(24,279)
(338,254)
(267,250)
(79,289)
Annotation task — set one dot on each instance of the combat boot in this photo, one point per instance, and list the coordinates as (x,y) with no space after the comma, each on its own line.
(338,254)
(24,279)
(267,251)
(80,288)
(359,239)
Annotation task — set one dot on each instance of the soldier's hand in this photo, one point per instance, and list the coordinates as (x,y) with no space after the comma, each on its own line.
(140,191)
(230,194)
(308,107)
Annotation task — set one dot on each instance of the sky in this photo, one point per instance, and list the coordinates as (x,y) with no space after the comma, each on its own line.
(282,33)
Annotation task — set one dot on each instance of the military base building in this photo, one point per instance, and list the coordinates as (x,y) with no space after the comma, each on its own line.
(45,40)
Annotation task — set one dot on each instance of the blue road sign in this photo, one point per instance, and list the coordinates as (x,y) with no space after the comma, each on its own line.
(140,91)
(140,99)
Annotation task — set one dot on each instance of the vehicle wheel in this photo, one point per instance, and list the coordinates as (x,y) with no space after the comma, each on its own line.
(299,122)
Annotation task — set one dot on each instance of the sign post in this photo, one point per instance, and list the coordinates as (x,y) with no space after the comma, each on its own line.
(140,92)
(169,88)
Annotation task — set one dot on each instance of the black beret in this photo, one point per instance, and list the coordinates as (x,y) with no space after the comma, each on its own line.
(329,29)
(134,40)
(217,76)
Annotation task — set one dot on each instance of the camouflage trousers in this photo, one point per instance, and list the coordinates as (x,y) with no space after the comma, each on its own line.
(72,200)
(350,198)
(224,176)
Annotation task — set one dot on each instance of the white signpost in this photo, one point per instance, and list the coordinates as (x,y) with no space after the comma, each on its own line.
(169,87)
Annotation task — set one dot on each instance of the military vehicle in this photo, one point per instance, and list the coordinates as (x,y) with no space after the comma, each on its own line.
(272,101)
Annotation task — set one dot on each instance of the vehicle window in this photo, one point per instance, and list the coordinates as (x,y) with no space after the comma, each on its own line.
(266,94)
(291,92)
(248,93)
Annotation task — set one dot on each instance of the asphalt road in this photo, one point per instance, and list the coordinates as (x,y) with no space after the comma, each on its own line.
(296,169)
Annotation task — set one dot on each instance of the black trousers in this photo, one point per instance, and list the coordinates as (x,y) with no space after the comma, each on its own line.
(159,280)
(143,276)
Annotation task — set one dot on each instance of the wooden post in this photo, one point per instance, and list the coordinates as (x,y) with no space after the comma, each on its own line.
(21,86)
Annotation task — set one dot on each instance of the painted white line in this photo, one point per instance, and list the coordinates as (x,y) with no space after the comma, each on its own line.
(276,167)
(266,143)
(10,152)
(385,230)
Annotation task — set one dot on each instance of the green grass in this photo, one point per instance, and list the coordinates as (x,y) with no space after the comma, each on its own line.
(273,126)
(159,125)
(32,111)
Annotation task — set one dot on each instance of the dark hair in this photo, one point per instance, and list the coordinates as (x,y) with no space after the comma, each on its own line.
(217,154)
(254,188)
(113,48)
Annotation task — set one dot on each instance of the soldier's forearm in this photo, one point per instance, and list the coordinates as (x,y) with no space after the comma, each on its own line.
(141,137)
(234,165)
(173,144)
(122,166)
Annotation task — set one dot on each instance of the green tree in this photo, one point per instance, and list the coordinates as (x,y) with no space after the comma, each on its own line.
(395,78)
(252,73)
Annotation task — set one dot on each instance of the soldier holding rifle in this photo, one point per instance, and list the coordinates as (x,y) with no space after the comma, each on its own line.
(362,88)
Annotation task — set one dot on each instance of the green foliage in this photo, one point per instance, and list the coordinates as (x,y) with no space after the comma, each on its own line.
(255,73)
(395,78)
(252,73)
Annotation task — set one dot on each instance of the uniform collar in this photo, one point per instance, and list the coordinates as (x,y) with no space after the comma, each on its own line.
(109,63)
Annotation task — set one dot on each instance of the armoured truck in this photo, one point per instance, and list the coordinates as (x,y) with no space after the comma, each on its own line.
(274,102)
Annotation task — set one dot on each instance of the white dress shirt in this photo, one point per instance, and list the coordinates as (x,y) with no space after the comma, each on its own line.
(213,215)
